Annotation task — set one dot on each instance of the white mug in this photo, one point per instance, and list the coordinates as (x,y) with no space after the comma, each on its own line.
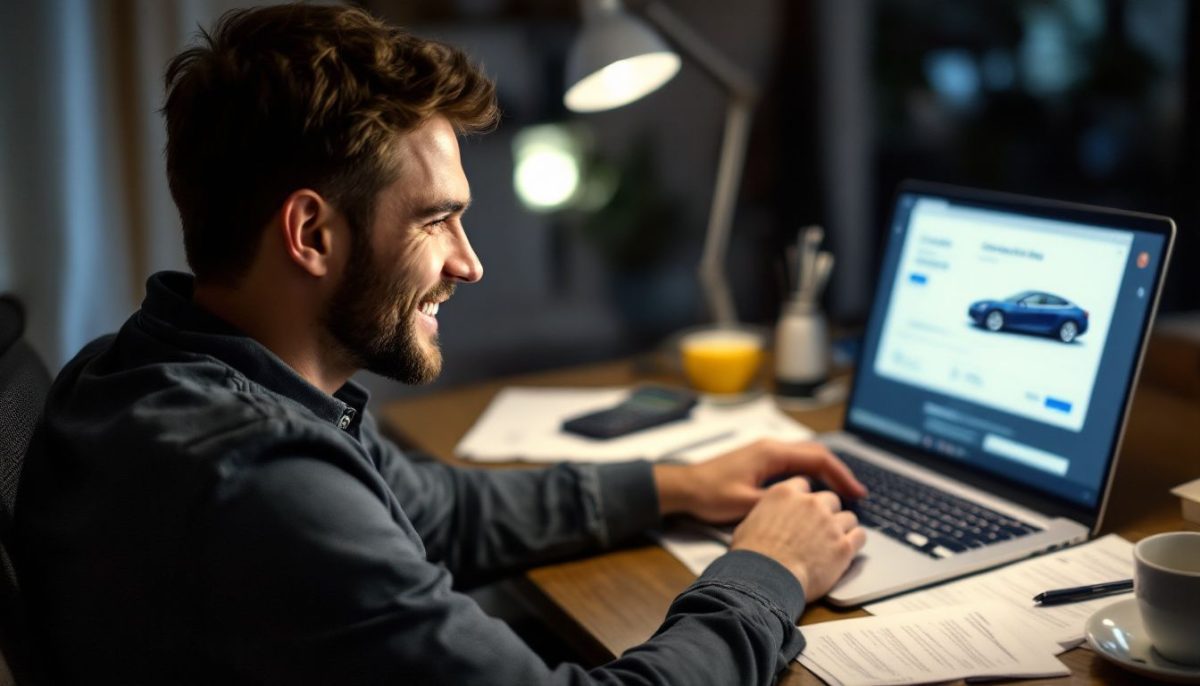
(1167,586)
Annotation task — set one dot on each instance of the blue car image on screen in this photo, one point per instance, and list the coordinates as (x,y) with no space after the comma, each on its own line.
(1034,312)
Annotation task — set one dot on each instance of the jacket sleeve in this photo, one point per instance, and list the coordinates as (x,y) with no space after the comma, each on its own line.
(479,522)
(309,577)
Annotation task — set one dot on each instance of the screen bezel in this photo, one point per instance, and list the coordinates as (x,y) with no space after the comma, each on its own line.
(1045,209)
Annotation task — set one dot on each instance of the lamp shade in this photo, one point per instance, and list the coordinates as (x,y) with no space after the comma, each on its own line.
(615,60)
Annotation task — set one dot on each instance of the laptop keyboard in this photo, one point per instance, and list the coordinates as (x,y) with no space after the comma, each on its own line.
(925,518)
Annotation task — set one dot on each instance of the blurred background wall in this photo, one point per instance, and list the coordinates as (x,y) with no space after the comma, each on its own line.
(1085,100)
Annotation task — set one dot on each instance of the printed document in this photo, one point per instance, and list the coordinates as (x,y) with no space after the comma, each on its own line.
(696,550)
(940,644)
(1109,558)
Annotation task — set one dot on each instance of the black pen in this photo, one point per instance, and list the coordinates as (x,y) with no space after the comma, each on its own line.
(1071,595)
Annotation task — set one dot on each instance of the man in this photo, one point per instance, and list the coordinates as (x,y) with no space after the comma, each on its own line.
(207,500)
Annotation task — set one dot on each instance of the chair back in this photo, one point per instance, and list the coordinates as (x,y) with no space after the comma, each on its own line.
(24,382)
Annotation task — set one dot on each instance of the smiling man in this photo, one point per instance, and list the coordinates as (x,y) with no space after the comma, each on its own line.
(207,499)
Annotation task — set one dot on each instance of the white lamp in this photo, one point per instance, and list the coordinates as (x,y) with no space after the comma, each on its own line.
(618,58)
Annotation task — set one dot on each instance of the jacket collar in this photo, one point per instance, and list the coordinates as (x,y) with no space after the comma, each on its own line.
(170,313)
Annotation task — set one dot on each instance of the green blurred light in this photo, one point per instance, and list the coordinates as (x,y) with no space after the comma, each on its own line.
(547,171)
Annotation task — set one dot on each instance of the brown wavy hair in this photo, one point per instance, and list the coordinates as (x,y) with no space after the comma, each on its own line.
(280,98)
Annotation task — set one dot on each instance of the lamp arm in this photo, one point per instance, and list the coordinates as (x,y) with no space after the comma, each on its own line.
(742,94)
(718,67)
(712,275)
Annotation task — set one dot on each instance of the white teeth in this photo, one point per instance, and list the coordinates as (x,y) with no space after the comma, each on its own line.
(430,309)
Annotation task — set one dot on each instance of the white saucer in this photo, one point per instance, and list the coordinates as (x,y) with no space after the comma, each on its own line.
(1116,633)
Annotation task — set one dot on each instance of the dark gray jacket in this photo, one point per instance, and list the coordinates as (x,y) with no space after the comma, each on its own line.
(193,511)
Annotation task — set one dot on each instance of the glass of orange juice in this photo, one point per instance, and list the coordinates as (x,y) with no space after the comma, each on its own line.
(721,361)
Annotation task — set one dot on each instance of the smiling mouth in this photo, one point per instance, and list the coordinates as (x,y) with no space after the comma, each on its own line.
(433,300)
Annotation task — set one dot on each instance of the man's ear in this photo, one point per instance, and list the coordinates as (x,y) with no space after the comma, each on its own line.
(308,224)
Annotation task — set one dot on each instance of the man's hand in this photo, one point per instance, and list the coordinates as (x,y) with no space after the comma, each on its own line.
(725,488)
(806,532)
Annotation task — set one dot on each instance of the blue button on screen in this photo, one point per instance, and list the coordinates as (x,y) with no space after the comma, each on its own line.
(1060,405)
(918,278)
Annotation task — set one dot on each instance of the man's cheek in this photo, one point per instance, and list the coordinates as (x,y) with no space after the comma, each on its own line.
(421,263)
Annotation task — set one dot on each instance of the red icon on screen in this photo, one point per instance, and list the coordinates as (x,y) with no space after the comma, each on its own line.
(1143,259)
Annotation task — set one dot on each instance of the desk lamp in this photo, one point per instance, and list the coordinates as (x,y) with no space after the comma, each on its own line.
(619,58)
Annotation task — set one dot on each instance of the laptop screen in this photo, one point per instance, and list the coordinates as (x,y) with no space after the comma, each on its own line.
(1006,333)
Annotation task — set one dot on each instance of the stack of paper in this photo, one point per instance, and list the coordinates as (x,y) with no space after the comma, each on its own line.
(986,625)
(526,424)
(939,644)
(1105,559)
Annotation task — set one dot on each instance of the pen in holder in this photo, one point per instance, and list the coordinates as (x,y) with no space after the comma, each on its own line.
(802,335)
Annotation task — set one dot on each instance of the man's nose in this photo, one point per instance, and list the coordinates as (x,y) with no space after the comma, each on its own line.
(463,265)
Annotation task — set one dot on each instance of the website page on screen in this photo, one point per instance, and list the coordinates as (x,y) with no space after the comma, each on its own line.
(961,266)
(1006,340)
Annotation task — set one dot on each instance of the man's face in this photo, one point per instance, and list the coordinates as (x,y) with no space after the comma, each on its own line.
(384,312)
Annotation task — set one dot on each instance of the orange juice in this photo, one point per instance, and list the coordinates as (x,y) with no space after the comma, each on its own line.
(721,360)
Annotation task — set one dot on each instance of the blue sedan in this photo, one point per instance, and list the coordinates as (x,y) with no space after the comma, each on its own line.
(1032,312)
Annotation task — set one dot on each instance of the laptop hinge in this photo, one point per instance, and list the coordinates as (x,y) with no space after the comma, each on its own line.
(1020,494)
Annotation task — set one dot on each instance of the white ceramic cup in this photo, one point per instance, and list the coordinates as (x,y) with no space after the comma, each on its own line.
(1167,586)
(801,351)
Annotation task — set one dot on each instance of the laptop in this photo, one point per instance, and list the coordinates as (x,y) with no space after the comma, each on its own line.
(994,380)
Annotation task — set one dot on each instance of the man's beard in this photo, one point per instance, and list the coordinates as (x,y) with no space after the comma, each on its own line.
(372,316)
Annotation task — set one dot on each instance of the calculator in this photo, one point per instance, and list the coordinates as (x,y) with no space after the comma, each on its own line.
(646,407)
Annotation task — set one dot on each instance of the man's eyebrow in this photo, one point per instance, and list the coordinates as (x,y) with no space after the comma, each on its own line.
(444,207)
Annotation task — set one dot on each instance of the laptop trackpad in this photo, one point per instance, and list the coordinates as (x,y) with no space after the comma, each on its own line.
(897,565)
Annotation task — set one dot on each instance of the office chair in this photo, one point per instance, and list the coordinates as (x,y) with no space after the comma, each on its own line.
(24,382)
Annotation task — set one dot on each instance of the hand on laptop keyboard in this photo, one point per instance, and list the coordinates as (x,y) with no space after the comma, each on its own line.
(806,532)
(848,503)
(724,489)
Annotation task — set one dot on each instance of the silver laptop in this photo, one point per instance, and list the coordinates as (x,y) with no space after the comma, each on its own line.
(995,375)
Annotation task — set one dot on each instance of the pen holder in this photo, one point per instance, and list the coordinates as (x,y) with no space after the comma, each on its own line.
(801,350)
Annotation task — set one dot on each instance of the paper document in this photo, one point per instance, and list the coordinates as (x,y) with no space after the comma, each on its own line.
(694,549)
(1105,559)
(526,424)
(941,644)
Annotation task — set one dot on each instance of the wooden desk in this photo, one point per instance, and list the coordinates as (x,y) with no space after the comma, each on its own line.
(606,604)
